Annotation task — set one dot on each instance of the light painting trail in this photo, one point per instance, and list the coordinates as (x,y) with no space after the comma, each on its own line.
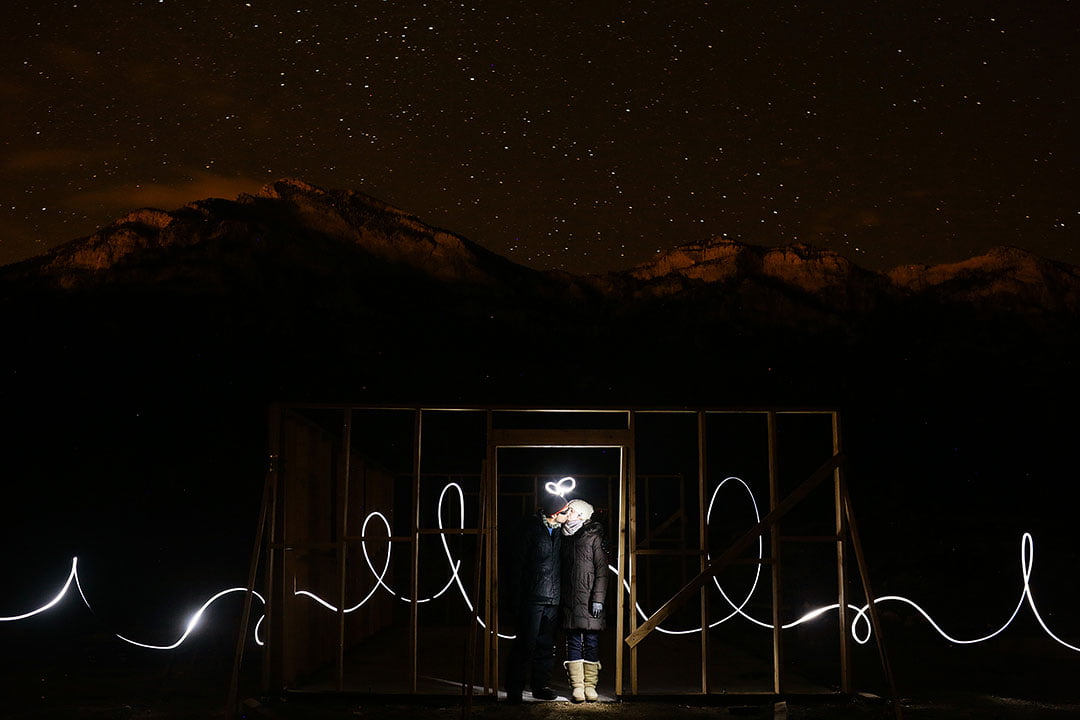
(455,565)
(73,577)
(860,624)
(194,621)
(562,487)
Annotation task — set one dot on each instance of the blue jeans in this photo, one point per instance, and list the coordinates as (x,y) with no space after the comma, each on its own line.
(583,645)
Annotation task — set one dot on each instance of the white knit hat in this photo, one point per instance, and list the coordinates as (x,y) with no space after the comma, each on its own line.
(582,508)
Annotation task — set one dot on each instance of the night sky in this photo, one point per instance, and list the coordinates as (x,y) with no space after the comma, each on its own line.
(586,136)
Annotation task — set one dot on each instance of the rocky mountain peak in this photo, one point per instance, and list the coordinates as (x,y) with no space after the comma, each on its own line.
(296,191)
(380,229)
(1008,274)
(293,224)
(150,217)
(296,217)
(283,187)
(723,259)
(718,252)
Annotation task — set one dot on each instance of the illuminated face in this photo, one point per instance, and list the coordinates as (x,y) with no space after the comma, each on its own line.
(569,514)
(562,516)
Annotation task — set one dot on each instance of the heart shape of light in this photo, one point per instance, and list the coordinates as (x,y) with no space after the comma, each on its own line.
(562,487)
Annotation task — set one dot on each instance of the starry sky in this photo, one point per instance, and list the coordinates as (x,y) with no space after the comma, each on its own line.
(586,136)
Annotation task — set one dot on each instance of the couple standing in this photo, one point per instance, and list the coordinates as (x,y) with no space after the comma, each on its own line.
(559,578)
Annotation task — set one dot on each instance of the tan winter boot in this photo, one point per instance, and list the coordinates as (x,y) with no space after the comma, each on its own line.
(576,674)
(592,674)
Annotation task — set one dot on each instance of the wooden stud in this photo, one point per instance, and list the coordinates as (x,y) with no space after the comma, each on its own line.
(343,520)
(272,555)
(232,702)
(414,569)
(632,564)
(491,577)
(469,679)
(875,617)
(841,571)
(775,554)
(703,547)
(626,480)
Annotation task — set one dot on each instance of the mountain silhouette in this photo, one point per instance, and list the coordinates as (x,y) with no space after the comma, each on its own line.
(298,291)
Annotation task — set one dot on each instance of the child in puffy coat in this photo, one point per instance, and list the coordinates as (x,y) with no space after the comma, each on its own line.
(584,592)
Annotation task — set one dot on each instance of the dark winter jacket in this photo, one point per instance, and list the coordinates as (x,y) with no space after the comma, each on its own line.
(585,576)
(536,569)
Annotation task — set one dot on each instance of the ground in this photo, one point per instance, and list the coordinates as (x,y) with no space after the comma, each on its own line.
(172,691)
(71,672)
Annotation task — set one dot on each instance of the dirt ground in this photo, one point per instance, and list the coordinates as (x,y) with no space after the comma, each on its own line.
(97,678)
(191,708)
(761,709)
(152,691)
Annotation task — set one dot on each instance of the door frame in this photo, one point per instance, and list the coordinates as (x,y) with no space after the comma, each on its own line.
(567,439)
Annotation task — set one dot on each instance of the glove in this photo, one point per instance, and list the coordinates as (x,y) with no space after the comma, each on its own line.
(596,608)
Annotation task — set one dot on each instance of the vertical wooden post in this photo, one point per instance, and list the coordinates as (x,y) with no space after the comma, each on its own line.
(414,570)
(233,701)
(275,538)
(632,566)
(643,539)
(703,548)
(469,679)
(875,618)
(841,570)
(491,578)
(343,532)
(626,485)
(774,544)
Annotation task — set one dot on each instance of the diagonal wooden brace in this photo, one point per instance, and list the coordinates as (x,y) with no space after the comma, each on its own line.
(735,549)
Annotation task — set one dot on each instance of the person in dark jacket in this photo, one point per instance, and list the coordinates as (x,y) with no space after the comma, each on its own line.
(584,592)
(535,585)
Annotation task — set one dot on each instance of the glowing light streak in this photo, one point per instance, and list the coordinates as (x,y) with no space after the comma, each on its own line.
(192,623)
(380,575)
(560,488)
(860,625)
(1027,562)
(861,628)
(367,557)
(72,577)
(736,609)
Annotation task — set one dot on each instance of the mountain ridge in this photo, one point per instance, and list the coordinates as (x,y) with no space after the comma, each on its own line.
(391,235)
(295,207)
(342,293)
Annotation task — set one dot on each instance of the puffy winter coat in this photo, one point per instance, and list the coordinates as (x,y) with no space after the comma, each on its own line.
(585,577)
(535,571)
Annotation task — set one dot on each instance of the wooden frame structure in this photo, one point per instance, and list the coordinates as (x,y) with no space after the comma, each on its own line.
(277,546)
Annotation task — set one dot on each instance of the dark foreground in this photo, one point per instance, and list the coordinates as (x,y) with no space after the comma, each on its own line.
(131,685)
(62,665)
(191,707)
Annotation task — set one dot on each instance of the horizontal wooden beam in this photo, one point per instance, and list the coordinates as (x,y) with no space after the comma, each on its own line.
(560,438)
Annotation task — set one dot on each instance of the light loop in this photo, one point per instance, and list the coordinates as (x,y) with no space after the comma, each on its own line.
(562,487)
